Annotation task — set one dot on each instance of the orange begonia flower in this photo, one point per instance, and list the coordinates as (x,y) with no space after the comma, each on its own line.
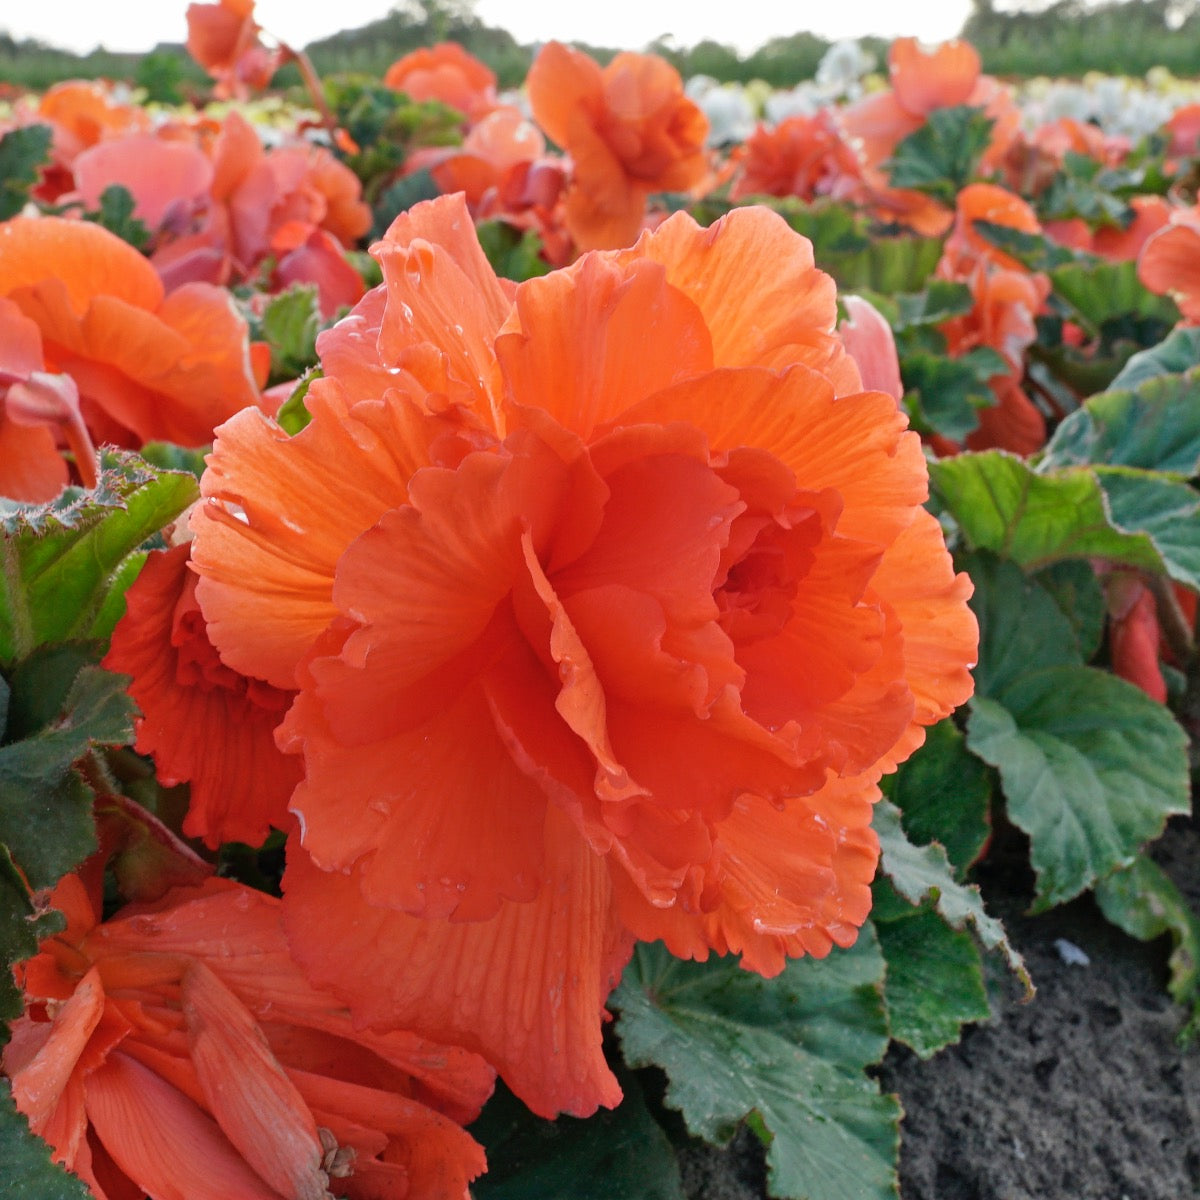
(629,130)
(448,73)
(610,597)
(801,156)
(223,39)
(1134,634)
(176,1050)
(202,722)
(984,202)
(1169,263)
(148,366)
(922,82)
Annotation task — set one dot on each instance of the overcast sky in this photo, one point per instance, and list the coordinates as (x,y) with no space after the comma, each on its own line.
(139,24)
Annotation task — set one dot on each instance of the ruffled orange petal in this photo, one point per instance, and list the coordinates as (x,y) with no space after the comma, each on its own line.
(561,81)
(754,281)
(281,511)
(525,989)
(87,260)
(200,720)
(596,339)
(787,879)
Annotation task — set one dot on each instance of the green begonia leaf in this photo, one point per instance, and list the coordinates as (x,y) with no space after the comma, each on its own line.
(28,1172)
(23,151)
(1074,587)
(619,1153)
(1091,769)
(942,156)
(1143,901)
(1162,509)
(59,563)
(920,873)
(934,980)
(1155,425)
(1179,352)
(944,794)
(791,1049)
(45,806)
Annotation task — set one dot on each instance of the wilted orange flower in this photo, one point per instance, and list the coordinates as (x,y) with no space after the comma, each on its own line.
(223,39)
(610,596)
(1170,262)
(202,722)
(176,1050)
(448,73)
(801,156)
(629,130)
(147,365)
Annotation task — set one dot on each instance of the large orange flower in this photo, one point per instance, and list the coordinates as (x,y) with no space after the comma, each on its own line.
(629,130)
(609,597)
(147,365)
(1169,262)
(801,156)
(176,1050)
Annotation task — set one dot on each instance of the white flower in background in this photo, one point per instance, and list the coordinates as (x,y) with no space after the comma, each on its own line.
(802,101)
(841,70)
(729,110)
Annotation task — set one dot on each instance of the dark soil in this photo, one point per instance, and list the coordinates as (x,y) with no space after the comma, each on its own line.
(1082,1094)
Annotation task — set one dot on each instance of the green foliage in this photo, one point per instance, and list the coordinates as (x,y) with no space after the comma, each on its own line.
(293,416)
(160,75)
(943,793)
(60,705)
(942,157)
(924,873)
(1091,768)
(21,928)
(791,1049)
(944,395)
(619,1153)
(116,215)
(1107,300)
(1143,901)
(934,980)
(1179,352)
(1154,424)
(23,152)
(64,566)
(290,324)
(514,254)
(28,1172)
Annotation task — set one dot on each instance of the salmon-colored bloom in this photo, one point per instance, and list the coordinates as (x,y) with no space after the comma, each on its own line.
(202,722)
(801,156)
(147,365)
(1169,263)
(175,1050)
(609,597)
(629,130)
(448,73)
(224,39)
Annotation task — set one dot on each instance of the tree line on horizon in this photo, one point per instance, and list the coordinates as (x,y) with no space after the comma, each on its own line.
(1063,38)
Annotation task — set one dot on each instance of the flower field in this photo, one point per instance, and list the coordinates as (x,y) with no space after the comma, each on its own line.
(524,618)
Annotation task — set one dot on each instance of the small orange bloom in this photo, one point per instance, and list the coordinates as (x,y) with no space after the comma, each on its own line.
(629,130)
(609,597)
(202,722)
(147,366)
(984,202)
(448,73)
(1169,263)
(1134,634)
(176,1050)
(801,156)
(223,39)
